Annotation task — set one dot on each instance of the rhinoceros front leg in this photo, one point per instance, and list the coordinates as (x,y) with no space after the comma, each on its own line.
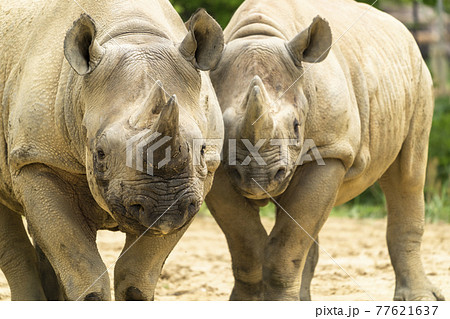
(59,227)
(308,271)
(50,284)
(139,265)
(18,260)
(405,204)
(239,220)
(302,211)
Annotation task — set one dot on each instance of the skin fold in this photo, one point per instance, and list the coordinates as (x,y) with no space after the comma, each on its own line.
(364,104)
(77,83)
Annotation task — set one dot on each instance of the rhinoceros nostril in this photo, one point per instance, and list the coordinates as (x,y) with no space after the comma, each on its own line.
(235,174)
(136,209)
(280,174)
(192,208)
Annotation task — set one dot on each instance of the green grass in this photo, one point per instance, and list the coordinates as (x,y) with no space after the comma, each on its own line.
(437,201)
(359,211)
(347,210)
(437,207)
(268,210)
(204,211)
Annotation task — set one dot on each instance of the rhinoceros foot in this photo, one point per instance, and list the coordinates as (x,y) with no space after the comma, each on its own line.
(247,292)
(427,293)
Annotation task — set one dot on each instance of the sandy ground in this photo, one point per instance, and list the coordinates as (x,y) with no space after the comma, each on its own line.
(199,267)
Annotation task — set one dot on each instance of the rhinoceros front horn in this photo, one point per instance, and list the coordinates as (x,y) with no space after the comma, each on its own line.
(155,102)
(168,123)
(257,122)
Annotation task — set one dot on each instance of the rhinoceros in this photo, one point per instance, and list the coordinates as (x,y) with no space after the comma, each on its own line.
(94,96)
(320,99)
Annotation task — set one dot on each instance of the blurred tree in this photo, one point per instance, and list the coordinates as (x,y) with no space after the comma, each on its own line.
(427,2)
(439,141)
(221,10)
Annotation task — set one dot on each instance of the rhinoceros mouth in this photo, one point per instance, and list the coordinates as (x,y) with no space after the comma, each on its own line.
(253,196)
(153,205)
(259,196)
(260,190)
(131,225)
(165,218)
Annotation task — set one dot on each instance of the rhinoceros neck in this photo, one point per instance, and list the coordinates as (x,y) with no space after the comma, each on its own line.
(71,117)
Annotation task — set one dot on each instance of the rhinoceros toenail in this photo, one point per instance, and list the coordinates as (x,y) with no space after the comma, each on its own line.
(93,296)
(134,294)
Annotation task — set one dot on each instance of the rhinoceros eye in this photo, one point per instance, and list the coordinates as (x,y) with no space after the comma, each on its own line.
(296,127)
(101,154)
(203,149)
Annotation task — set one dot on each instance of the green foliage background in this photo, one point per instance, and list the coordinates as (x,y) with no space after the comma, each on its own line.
(222,10)
(432,3)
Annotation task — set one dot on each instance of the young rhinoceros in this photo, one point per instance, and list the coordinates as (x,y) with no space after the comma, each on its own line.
(363,114)
(86,115)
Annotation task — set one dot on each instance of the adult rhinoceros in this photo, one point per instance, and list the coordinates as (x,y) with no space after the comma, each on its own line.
(366,108)
(71,100)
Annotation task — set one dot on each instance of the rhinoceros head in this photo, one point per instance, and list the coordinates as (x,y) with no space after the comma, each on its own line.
(145,160)
(265,99)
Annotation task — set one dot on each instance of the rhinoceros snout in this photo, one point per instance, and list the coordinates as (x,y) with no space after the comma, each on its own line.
(258,184)
(164,220)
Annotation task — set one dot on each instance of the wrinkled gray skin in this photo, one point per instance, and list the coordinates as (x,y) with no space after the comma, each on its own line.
(72,94)
(367,105)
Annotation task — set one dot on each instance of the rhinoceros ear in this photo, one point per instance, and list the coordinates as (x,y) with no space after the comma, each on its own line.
(203,45)
(313,44)
(81,49)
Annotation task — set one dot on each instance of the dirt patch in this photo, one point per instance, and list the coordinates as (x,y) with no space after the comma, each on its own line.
(199,268)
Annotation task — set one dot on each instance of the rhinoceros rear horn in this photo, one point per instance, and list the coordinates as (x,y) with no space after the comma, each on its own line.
(313,44)
(204,43)
(168,123)
(155,102)
(257,122)
(81,49)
